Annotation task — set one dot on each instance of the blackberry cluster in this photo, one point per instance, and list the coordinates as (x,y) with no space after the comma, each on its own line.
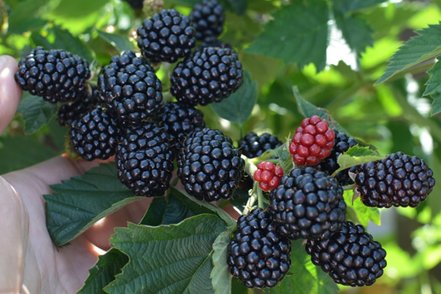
(208,20)
(94,135)
(144,160)
(253,145)
(307,204)
(130,88)
(209,166)
(179,121)
(68,112)
(166,36)
(258,256)
(351,256)
(209,75)
(397,180)
(54,75)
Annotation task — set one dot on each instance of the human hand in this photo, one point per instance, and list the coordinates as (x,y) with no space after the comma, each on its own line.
(30,262)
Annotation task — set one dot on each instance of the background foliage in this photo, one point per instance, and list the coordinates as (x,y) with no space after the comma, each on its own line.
(332,52)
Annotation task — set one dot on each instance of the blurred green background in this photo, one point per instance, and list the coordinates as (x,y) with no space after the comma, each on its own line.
(335,64)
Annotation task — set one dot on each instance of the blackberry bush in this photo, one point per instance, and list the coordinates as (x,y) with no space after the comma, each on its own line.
(257,255)
(397,180)
(307,204)
(253,145)
(209,75)
(351,257)
(166,36)
(144,160)
(54,75)
(130,88)
(209,166)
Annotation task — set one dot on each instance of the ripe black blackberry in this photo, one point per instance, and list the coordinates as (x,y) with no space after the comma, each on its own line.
(253,145)
(54,75)
(179,121)
(257,255)
(214,43)
(209,166)
(351,256)
(94,135)
(307,204)
(208,20)
(397,180)
(209,75)
(71,111)
(144,160)
(166,36)
(130,88)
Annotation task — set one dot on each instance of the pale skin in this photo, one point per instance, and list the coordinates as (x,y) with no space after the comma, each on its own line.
(29,261)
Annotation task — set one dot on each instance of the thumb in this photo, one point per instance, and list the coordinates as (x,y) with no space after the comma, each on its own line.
(9,91)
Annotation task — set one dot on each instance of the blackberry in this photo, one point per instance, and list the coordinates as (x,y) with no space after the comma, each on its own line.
(214,43)
(257,255)
(209,75)
(54,75)
(208,20)
(130,88)
(351,256)
(179,121)
(253,146)
(144,160)
(94,135)
(307,204)
(71,111)
(397,180)
(166,36)
(209,166)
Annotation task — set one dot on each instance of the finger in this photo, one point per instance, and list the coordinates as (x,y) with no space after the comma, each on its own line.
(9,91)
(13,239)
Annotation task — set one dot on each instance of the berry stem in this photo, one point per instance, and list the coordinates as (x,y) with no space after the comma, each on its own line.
(260,197)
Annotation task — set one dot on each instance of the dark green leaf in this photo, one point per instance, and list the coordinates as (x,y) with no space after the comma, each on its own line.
(220,275)
(174,259)
(307,109)
(155,213)
(346,6)
(76,204)
(355,31)
(425,46)
(107,267)
(304,277)
(433,85)
(64,39)
(238,107)
(238,6)
(122,43)
(298,34)
(436,104)
(78,8)
(26,16)
(35,112)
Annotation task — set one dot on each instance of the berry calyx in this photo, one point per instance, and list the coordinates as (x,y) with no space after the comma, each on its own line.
(312,142)
(268,175)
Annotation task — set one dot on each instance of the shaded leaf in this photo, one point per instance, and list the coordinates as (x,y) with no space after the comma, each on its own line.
(346,6)
(174,259)
(357,33)
(298,34)
(107,267)
(122,43)
(220,275)
(238,107)
(76,204)
(36,112)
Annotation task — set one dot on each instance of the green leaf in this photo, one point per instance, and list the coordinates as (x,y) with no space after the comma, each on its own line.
(357,33)
(220,275)
(304,277)
(122,43)
(35,112)
(425,46)
(107,267)
(64,39)
(433,85)
(356,155)
(238,107)
(298,34)
(167,259)
(238,6)
(155,213)
(307,109)
(360,212)
(436,103)
(75,205)
(346,6)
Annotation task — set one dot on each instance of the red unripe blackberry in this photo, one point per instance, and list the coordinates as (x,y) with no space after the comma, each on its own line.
(268,175)
(257,255)
(350,256)
(397,180)
(312,142)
